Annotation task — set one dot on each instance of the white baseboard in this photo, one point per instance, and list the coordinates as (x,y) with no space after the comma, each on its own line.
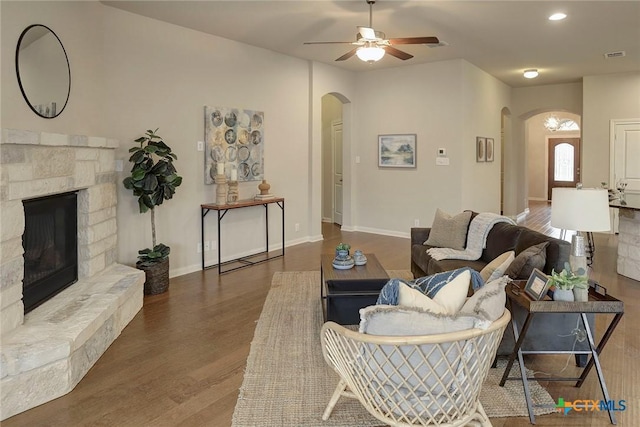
(213,258)
(382,232)
(539,199)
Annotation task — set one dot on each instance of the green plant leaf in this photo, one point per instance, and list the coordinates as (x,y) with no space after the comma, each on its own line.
(138,174)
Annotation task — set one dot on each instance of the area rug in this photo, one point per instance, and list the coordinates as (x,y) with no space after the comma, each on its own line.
(287,382)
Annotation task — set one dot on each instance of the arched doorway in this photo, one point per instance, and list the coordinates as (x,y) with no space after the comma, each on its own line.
(553,152)
(335,173)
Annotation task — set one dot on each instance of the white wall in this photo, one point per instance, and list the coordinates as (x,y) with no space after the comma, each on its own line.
(446,104)
(483,99)
(161,75)
(607,97)
(79,27)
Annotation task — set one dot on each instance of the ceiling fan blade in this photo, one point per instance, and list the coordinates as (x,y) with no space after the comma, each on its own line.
(367,33)
(415,40)
(397,53)
(348,54)
(327,43)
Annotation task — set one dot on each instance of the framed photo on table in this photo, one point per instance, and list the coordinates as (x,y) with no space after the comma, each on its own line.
(537,285)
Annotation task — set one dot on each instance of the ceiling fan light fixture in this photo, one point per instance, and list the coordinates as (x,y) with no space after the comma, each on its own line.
(370,54)
(557,16)
(530,74)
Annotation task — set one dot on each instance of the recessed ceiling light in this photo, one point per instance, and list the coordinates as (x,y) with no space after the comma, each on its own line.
(557,16)
(530,74)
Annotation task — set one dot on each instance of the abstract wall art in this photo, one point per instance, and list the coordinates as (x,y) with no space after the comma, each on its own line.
(234,137)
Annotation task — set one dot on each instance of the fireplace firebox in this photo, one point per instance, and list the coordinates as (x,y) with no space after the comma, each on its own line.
(50,242)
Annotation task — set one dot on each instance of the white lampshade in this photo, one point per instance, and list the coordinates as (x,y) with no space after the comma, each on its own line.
(585,209)
(370,53)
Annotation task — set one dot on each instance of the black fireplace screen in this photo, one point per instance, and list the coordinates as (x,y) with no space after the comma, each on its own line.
(50,242)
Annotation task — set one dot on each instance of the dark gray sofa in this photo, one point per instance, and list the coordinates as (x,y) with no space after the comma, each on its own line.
(547,332)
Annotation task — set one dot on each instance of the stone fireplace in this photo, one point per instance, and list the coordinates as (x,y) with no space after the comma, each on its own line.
(46,352)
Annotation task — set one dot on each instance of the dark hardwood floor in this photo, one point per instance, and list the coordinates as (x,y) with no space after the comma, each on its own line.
(181,360)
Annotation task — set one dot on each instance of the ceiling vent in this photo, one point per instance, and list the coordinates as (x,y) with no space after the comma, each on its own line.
(617,54)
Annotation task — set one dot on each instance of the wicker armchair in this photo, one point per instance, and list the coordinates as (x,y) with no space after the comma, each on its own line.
(413,380)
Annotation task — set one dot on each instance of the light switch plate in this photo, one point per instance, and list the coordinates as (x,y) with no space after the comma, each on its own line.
(200,145)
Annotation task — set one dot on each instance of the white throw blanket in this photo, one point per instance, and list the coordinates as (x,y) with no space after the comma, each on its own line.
(476,238)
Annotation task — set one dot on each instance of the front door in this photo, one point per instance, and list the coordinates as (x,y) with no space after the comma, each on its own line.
(564,163)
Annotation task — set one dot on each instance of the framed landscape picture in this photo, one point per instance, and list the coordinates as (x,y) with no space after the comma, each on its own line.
(481,149)
(397,151)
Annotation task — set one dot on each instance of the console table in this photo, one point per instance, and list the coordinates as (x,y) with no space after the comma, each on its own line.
(222,210)
(597,304)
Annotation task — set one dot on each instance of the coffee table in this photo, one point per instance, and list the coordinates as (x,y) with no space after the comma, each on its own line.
(344,292)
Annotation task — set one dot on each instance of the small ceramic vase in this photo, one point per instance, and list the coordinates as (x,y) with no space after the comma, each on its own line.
(264,187)
(343,261)
(359,258)
(563,295)
(580,294)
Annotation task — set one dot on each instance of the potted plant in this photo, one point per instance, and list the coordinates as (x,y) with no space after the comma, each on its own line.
(569,285)
(153,179)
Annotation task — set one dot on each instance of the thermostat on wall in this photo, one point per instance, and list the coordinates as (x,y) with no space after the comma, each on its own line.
(442,152)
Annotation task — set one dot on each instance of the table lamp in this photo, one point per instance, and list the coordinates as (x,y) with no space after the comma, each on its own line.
(582,210)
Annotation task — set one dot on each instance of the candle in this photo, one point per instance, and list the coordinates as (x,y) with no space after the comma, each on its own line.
(220,169)
(234,174)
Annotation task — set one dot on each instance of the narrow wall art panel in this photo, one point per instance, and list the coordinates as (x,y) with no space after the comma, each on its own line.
(234,138)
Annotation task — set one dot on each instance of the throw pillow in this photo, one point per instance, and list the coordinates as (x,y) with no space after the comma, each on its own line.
(487,302)
(453,296)
(449,231)
(497,267)
(429,285)
(533,257)
(411,297)
(393,320)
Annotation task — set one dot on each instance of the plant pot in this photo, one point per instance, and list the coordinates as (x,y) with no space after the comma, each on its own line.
(563,295)
(580,294)
(157,276)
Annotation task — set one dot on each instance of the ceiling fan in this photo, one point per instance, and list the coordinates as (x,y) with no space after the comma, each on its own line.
(371,45)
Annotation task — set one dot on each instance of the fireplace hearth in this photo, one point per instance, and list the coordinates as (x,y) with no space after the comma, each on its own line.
(50,242)
(46,352)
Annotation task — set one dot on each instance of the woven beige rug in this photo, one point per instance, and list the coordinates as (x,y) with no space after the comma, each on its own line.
(287,382)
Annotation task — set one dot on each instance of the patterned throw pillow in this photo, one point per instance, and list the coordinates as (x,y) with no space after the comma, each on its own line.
(446,299)
(533,257)
(429,285)
(449,231)
(497,267)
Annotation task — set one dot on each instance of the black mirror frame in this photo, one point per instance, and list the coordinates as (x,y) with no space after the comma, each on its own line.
(66,57)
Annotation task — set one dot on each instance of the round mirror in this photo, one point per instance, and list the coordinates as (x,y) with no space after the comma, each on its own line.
(43,71)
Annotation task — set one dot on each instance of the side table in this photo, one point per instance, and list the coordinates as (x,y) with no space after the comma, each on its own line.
(597,304)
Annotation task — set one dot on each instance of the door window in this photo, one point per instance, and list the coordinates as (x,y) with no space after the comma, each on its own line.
(563,167)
